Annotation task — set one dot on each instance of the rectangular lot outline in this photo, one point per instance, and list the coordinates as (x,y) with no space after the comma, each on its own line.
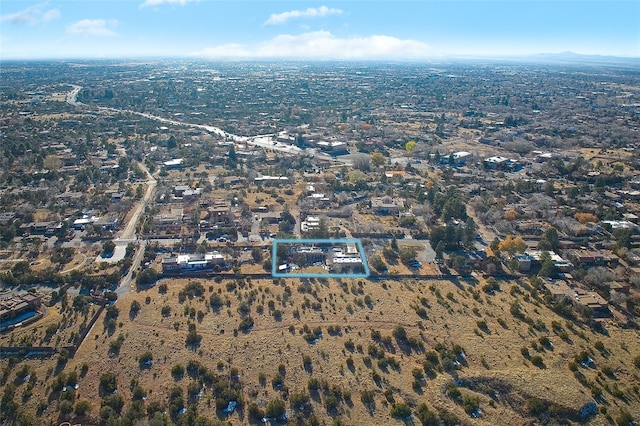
(274,266)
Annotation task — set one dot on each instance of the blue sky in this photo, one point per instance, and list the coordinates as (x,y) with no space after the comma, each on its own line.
(356,29)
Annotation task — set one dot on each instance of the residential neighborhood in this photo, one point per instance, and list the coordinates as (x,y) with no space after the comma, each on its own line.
(475,226)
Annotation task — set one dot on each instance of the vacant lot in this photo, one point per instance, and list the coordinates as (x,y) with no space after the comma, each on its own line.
(362,347)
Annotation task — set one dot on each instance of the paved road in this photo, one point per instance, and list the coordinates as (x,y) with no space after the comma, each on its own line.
(487,234)
(295,212)
(129,230)
(128,234)
(264,141)
(72,96)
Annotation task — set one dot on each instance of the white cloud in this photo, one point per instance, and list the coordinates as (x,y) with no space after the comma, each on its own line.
(312,12)
(151,3)
(33,15)
(93,28)
(324,45)
(50,15)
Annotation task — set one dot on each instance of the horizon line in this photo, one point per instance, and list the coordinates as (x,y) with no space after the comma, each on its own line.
(564,56)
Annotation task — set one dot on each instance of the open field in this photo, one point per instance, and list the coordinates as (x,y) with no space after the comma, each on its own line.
(360,349)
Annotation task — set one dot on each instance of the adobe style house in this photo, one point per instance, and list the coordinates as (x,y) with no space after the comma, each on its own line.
(220,213)
(12,308)
(386,205)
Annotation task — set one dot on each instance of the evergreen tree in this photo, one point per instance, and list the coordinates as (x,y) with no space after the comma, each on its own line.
(495,246)
(470,231)
(232,158)
(439,250)
(548,268)
(394,244)
(550,240)
(172,143)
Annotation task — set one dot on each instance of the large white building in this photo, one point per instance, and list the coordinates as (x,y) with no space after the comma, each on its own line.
(175,163)
(496,162)
(461,157)
(192,262)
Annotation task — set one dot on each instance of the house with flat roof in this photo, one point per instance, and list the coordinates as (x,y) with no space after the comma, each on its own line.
(175,163)
(83,221)
(17,308)
(346,264)
(400,174)
(560,290)
(459,158)
(500,163)
(333,147)
(41,228)
(193,262)
(310,223)
(386,205)
(535,257)
(591,302)
(620,224)
(107,223)
(169,221)
(271,179)
(220,212)
(312,254)
(581,299)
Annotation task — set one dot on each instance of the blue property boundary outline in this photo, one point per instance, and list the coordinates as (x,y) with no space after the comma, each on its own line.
(277,274)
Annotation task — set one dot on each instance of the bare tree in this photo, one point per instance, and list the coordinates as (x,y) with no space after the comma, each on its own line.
(567,225)
(599,275)
(542,205)
(362,162)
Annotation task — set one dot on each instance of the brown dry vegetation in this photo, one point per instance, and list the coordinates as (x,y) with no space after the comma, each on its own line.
(348,311)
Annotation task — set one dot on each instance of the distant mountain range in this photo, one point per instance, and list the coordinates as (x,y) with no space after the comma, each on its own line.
(576,58)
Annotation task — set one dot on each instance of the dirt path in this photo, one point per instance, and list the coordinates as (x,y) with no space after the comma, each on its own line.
(129,231)
(78,266)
